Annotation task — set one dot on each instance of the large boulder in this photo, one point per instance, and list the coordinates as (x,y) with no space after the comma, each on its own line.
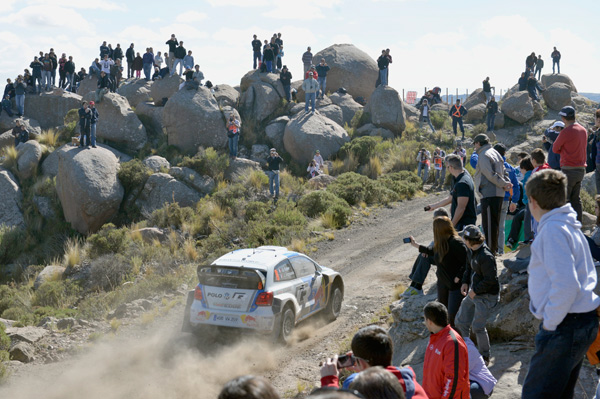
(255,76)
(306,133)
(351,68)
(28,157)
(347,104)
(32,126)
(90,83)
(557,95)
(588,184)
(118,123)
(259,101)
(135,91)
(475,98)
(371,130)
(334,113)
(239,167)
(88,188)
(518,106)
(49,273)
(155,163)
(385,109)
(226,95)
(549,79)
(476,114)
(150,115)
(192,118)
(275,130)
(203,184)
(50,109)
(10,200)
(22,352)
(165,88)
(161,189)
(499,121)
(50,164)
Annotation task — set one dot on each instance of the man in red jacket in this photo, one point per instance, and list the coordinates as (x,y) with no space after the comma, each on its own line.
(571,145)
(371,346)
(446,367)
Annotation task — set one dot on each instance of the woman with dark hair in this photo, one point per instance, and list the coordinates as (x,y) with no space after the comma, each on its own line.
(248,387)
(450,255)
(378,383)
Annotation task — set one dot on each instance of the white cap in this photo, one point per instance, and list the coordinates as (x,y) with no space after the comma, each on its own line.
(557,124)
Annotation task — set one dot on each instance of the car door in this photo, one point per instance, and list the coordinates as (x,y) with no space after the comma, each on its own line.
(310,284)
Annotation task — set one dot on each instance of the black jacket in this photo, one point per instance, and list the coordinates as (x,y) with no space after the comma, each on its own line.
(172,45)
(118,53)
(492,107)
(256,45)
(104,51)
(286,78)
(273,162)
(104,82)
(180,52)
(452,265)
(130,55)
(70,67)
(268,55)
(36,69)
(481,273)
(383,62)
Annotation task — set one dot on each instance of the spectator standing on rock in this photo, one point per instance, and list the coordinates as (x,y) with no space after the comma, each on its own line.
(446,366)
(425,110)
(307,58)
(383,63)
(256,52)
(561,281)
(54,61)
(70,74)
(555,59)
(46,72)
(105,64)
(539,65)
(481,290)
(138,65)
(522,82)
(487,89)
(268,57)
(457,111)
(118,53)
(492,110)
(273,162)
(20,87)
(439,166)
(179,56)
(571,145)
(6,106)
(188,60)
(93,121)
(491,180)
(310,87)
(116,73)
(158,60)
(550,135)
(20,133)
(233,134)
(423,163)
(104,84)
(322,70)
(389,57)
(530,62)
(148,61)
(172,42)
(286,80)
(62,75)
(318,159)
(9,89)
(85,116)
(104,50)
(130,56)
(198,76)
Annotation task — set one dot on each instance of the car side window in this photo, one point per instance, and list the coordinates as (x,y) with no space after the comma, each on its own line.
(283,272)
(303,266)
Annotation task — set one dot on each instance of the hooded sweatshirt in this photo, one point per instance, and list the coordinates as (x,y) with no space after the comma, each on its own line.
(561,270)
(490,174)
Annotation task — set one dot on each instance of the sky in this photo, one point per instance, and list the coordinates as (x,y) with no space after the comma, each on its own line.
(450,44)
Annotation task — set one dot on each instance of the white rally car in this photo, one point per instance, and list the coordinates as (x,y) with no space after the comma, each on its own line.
(268,289)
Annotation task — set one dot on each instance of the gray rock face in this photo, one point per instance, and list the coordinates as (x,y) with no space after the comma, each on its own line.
(152,114)
(87,85)
(275,130)
(531,144)
(499,121)
(28,158)
(22,352)
(165,88)
(48,274)
(259,153)
(588,183)
(193,118)
(226,95)
(306,133)
(321,181)
(347,104)
(10,200)
(135,91)
(50,164)
(203,184)
(549,79)
(118,123)
(371,130)
(351,68)
(27,334)
(32,126)
(161,189)
(259,101)
(238,167)
(334,113)
(386,110)
(475,98)
(476,114)
(88,188)
(557,96)
(156,163)
(44,206)
(254,76)
(518,106)
(411,111)
(50,109)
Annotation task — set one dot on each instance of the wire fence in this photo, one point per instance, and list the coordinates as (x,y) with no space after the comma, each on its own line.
(449,96)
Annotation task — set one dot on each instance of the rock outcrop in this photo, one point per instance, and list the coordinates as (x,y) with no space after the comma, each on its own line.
(49,273)
(240,166)
(351,68)
(50,109)
(155,163)
(32,126)
(261,95)
(275,130)
(347,104)
(50,164)
(161,189)
(150,115)
(557,96)
(88,188)
(29,155)
(165,88)
(549,79)
(10,200)
(135,91)
(385,109)
(203,184)
(226,95)
(475,98)
(518,106)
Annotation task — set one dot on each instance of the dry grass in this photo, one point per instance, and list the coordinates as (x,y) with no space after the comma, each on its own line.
(374,168)
(10,155)
(256,179)
(49,137)
(73,251)
(114,325)
(348,164)
(189,249)
(328,221)
(329,235)
(298,245)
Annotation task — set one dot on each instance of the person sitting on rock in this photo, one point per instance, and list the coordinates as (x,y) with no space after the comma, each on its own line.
(103,85)
(313,169)
(481,379)
(522,82)
(6,106)
(533,86)
(198,76)
(156,74)
(20,133)
(371,346)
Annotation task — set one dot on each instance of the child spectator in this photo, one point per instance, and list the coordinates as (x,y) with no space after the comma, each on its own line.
(523,217)
(561,281)
(138,65)
(313,169)
(318,159)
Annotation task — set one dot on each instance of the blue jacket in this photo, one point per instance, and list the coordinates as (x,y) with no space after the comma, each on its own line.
(513,175)
(95,116)
(148,58)
(525,178)
(553,158)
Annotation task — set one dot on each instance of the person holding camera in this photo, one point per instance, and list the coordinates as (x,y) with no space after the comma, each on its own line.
(233,134)
(273,162)
(423,162)
(20,87)
(20,133)
(371,346)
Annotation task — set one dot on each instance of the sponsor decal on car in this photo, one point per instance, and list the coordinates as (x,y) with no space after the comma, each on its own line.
(204,314)
(250,321)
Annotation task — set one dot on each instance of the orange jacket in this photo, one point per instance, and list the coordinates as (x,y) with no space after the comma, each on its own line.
(446,367)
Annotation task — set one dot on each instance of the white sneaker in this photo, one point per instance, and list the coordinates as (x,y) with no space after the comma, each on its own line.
(411,291)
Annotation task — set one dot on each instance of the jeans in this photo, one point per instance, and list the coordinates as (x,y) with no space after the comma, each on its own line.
(8,111)
(273,182)
(287,89)
(20,100)
(594,249)
(491,119)
(178,61)
(129,70)
(171,60)
(100,94)
(84,138)
(93,134)
(474,313)
(451,299)
(517,223)
(539,73)
(501,225)
(425,168)
(37,83)
(488,96)
(69,82)
(426,119)
(53,76)
(477,391)
(533,94)
(554,367)
(383,76)
(421,267)
(148,71)
(46,80)
(440,176)
(309,97)
(233,145)
(574,178)
(322,84)
(269,66)
(490,219)
(458,121)
(557,63)
(256,57)
(279,61)
(61,81)
(597,176)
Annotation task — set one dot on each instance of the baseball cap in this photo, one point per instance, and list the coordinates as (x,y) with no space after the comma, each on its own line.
(273,149)
(92,103)
(557,124)
(472,232)
(311,74)
(481,138)
(567,111)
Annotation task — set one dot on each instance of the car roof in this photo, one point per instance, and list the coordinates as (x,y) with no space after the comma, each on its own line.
(263,258)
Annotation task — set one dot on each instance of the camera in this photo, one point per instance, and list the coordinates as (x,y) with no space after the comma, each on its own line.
(345,361)
(406,240)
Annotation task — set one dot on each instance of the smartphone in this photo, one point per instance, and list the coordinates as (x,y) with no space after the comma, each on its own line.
(427,208)
(406,240)
(345,361)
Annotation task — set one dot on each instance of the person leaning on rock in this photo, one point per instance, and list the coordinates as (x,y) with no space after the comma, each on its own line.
(20,133)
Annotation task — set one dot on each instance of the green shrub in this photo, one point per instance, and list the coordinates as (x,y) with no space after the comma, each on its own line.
(207,162)
(20,314)
(171,215)
(255,210)
(439,119)
(229,195)
(478,129)
(109,271)
(12,243)
(132,175)
(355,188)
(405,184)
(339,213)
(56,294)
(362,148)
(359,119)
(317,202)
(587,202)
(108,240)
(4,339)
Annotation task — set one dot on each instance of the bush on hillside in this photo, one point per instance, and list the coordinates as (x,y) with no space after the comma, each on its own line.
(132,175)
(57,294)
(109,239)
(338,214)
(171,215)
(12,243)
(207,162)
(256,210)
(405,184)
(361,148)
(317,202)
(355,188)
(109,271)
(439,119)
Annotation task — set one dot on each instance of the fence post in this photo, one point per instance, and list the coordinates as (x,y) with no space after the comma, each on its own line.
(467,93)
(403,99)
(425,90)
(446,95)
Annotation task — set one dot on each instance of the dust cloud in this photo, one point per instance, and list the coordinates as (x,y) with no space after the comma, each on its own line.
(157,366)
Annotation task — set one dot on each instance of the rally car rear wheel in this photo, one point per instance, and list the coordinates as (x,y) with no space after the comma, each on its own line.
(288,321)
(334,307)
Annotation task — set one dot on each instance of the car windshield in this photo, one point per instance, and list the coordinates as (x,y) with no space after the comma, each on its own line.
(231,277)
